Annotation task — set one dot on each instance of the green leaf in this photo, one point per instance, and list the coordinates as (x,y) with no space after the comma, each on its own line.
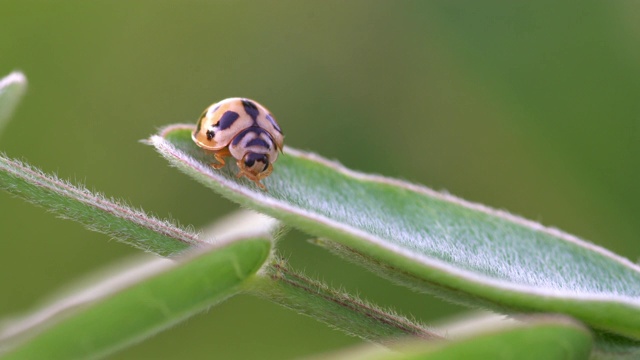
(551,338)
(12,87)
(431,239)
(96,212)
(153,300)
(605,345)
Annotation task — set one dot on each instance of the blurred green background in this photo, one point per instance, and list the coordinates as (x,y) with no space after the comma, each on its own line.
(532,108)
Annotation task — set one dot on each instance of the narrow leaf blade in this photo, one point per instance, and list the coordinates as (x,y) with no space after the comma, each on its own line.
(155,301)
(94,210)
(552,338)
(432,238)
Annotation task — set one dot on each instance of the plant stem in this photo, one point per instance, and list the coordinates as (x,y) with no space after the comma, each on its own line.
(338,309)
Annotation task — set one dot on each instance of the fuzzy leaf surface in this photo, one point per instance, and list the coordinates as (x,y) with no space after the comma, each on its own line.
(95,211)
(431,240)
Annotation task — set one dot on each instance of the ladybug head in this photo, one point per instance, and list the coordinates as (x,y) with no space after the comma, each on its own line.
(255,164)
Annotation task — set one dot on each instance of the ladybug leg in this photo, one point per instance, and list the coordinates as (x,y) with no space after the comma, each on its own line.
(220,163)
(220,155)
(260,185)
(248,175)
(266,172)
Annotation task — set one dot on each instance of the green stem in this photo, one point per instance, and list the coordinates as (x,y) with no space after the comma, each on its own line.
(340,310)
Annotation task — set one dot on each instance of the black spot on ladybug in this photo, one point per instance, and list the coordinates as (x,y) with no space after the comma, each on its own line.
(251,159)
(259,142)
(274,123)
(227,119)
(210,134)
(251,109)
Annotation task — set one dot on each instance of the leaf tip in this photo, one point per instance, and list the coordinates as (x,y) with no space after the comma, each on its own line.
(15,77)
(12,87)
(165,131)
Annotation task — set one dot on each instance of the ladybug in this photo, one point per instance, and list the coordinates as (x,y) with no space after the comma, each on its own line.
(244,129)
